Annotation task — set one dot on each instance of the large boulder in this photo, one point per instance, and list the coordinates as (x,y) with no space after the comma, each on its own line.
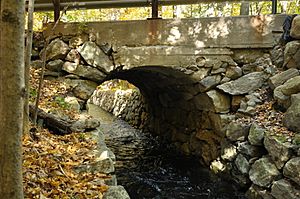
(256,192)
(57,49)
(291,117)
(263,172)
(220,100)
(250,150)
(210,82)
(277,56)
(292,54)
(256,135)
(73,103)
(94,56)
(282,77)
(82,89)
(237,131)
(295,29)
(279,150)
(291,170)
(283,189)
(88,72)
(244,84)
(242,164)
(282,93)
(116,192)
(78,40)
(55,65)
(234,72)
(85,122)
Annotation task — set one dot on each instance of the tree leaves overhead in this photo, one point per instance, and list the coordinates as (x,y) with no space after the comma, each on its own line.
(181,11)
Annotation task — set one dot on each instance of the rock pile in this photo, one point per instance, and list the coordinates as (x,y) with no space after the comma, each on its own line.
(257,157)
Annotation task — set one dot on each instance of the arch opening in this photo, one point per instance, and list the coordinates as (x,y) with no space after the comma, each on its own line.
(180,113)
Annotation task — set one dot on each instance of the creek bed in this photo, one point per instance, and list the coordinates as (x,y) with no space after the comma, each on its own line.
(148,168)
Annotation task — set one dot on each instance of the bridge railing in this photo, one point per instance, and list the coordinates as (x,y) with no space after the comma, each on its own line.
(58,5)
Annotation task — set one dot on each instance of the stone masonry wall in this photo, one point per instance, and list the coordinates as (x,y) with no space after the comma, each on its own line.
(126,104)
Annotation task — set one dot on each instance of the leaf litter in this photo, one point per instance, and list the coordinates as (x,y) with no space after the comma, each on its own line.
(49,160)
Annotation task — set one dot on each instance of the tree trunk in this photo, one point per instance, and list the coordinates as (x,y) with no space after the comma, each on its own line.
(11,97)
(27,63)
(51,121)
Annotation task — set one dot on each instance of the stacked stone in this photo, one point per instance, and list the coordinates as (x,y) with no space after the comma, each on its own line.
(81,63)
(254,157)
(286,85)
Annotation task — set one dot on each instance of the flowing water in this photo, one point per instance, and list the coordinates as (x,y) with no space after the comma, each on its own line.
(150,169)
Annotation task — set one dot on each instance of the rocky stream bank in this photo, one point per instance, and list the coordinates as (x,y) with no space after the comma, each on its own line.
(246,122)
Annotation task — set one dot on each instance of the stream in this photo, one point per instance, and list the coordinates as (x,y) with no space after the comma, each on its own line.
(150,169)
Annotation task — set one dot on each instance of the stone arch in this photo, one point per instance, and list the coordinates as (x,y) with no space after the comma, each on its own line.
(181,90)
(180,111)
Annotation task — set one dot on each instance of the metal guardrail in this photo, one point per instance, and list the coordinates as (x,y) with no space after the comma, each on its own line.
(57,5)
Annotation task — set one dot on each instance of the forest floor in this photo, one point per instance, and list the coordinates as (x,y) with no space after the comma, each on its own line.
(49,159)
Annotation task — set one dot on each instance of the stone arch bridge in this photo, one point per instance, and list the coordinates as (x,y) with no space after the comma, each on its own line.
(192,72)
